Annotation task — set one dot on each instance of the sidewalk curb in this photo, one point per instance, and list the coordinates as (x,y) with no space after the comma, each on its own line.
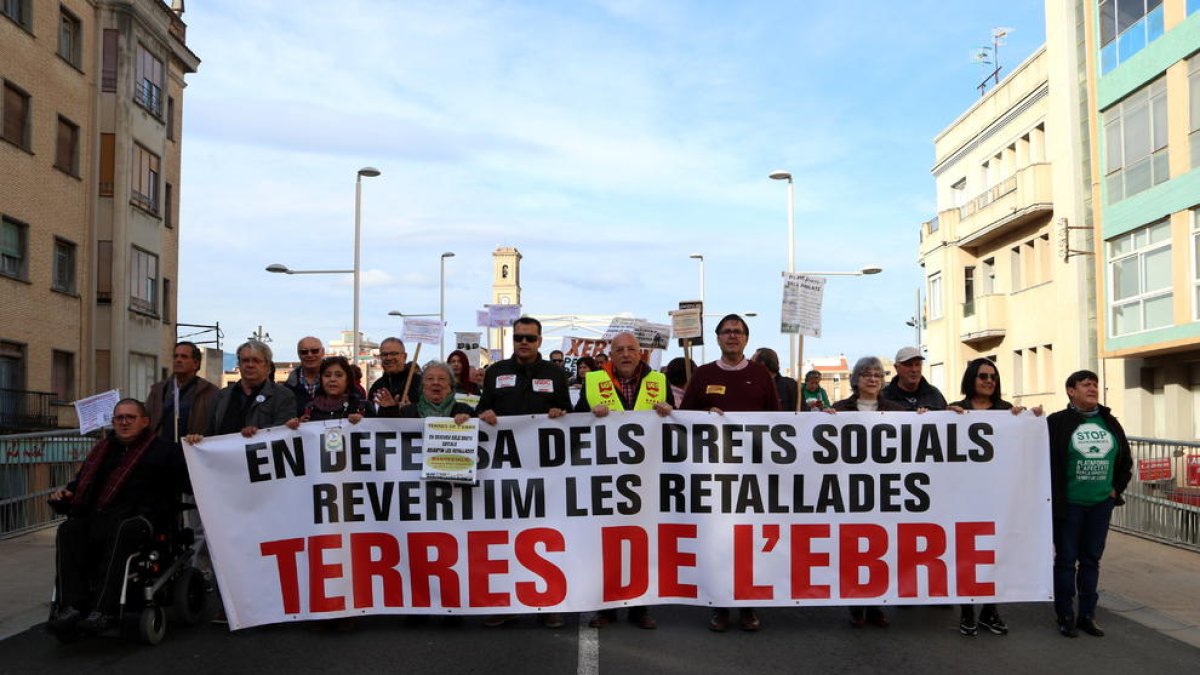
(1151,618)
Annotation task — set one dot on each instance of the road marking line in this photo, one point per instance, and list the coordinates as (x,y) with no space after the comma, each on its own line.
(589,648)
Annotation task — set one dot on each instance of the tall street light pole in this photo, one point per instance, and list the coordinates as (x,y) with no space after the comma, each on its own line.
(369,172)
(442,305)
(791,225)
(700,257)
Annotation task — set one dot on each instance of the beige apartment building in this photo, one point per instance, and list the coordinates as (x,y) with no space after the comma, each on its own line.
(92,101)
(1007,261)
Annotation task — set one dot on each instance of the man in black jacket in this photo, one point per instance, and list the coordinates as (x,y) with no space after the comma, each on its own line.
(1090,466)
(128,486)
(388,393)
(525,384)
(909,387)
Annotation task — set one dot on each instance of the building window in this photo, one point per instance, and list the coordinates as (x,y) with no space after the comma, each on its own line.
(144,192)
(18,11)
(12,374)
(958,193)
(168,205)
(1015,269)
(1139,270)
(143,372)
(170,118)
(104,267)
(62,377)
(1194,107)
(108,60)
(1018,373)
(166,298)
(14,246)
(64,266)
(16,116)
(1126,27)
(108,164)
(70,38)
(968,291)
(1196,264)
(934,296)
(147,90)
(66,149)
(143,281)
(989,276)
(1135,142)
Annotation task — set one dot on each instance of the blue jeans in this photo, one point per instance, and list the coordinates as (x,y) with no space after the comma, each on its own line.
(1079,537)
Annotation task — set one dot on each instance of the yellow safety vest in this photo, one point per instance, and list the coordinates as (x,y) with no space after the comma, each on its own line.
(602,390)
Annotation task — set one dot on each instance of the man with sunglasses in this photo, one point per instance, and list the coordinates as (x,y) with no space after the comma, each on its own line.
(525,384)
(737,384)
(305,378)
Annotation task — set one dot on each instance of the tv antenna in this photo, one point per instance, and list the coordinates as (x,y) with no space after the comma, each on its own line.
(989,55)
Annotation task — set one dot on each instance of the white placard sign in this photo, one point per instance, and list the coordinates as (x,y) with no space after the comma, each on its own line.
(802,296)
(428,331)
(450,451)
(95,412)
(502,316)
(685,323)
(468,343)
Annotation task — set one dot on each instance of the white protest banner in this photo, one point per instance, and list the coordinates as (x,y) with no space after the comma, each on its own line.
(502,316)
(450,451)
(95,412)
(579,513)
(802,297)
(468,343)
(428,331)
(685,323)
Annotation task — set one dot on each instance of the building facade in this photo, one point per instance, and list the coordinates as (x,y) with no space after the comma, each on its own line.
(1144,58)
(92,94)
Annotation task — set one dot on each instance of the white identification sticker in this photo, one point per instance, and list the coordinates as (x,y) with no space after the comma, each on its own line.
(506,381)
(543,386)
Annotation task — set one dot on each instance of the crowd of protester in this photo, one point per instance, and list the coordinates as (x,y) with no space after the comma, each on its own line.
(123,477)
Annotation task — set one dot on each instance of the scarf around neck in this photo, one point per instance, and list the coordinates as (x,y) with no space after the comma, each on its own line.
(426,408)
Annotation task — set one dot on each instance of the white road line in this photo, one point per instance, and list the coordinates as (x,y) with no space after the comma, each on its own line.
(589,648)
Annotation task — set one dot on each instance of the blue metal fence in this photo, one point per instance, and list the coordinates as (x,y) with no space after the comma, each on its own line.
(31,467)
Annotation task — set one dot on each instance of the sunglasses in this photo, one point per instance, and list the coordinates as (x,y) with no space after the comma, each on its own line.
(556,360)
(307,352)
(526,338)
(988,376)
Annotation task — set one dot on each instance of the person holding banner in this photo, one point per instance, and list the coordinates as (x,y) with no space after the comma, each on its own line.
(525,384)
(981,391)
(335,398)
(626,383)
(909,387)
(732,383)
(389,392)
(866,381)
(306,377)
(253,402)
(1090,466)
(437,396)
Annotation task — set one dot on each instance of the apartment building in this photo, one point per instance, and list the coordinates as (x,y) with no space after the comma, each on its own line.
(1144,56)
(91,111)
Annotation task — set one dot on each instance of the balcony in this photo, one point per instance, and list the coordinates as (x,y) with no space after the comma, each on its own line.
(984,319)
(1022,197)
(22,410)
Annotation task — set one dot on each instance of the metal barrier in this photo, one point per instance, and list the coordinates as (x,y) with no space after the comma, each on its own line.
(31,467)
(1162,501)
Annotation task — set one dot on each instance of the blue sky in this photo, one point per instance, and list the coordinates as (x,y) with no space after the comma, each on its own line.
(607,140)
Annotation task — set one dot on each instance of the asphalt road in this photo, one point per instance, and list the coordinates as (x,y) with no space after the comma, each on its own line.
(820,640)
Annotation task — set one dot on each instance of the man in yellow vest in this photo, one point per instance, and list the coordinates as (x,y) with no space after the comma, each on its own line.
(624,383)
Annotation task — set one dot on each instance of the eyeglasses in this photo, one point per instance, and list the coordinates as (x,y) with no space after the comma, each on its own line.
(389,355)
(556,360)
(524,337)
(729,332)
(995,377)
(125,418)
(308,352)
(871,376)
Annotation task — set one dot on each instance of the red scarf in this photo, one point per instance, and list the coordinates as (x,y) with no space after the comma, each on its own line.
(117,477)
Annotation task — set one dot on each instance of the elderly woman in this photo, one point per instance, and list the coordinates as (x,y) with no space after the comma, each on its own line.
(437,395)
(981,391)
(866,381)
(461,366)
(336,397)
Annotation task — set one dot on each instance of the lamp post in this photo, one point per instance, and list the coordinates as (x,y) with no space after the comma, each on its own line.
(866,271)
(791,251)
(369,172)
(442,305)
(700,257)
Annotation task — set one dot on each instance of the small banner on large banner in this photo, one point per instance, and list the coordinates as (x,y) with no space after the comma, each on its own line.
(580,513)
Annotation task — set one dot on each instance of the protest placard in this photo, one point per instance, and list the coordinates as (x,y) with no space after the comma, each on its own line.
(95,412)
(449,451)
(802,297)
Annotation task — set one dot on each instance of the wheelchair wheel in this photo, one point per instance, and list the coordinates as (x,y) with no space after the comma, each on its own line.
(188,597)
(152,625)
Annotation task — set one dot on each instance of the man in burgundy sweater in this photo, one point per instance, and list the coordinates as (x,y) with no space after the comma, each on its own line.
(737,384)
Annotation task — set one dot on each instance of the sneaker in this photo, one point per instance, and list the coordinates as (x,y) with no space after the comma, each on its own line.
(967,626)
(993,622)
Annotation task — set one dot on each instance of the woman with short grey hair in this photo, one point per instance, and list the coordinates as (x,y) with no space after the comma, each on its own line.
(437,395)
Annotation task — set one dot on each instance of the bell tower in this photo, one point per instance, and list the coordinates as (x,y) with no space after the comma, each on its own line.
(506,285)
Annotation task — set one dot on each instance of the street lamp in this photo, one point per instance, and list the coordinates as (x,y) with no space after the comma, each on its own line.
(396,312)
(700,257)
(865,271)
(369,172)
(791,251)
(442,305)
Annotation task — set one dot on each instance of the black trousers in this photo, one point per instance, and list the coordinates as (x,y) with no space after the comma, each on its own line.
(90,558)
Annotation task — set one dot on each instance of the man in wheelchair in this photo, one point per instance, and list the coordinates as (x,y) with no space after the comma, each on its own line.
(128,489)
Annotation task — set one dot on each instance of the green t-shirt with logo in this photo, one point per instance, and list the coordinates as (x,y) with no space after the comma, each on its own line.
(1091,456)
